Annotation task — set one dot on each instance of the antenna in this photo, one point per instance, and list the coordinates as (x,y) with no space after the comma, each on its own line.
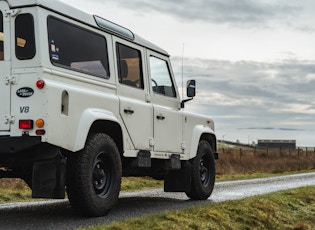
(183,49)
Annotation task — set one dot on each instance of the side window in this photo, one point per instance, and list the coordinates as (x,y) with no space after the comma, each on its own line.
(76,48)
(1,37)
(129,66)
(24,37)
(160,77)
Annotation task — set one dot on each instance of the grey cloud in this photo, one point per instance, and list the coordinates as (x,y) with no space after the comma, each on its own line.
(271,128)
(254,93)
(236,12)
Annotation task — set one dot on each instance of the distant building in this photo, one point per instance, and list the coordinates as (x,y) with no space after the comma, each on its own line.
(285,144)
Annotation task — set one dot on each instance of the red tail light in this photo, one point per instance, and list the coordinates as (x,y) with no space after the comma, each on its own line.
(40,132)
(26,124)
(40,84)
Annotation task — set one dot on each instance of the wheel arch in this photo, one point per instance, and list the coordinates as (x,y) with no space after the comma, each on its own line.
(98,120)
(211,139)
(111,128)
(201,132)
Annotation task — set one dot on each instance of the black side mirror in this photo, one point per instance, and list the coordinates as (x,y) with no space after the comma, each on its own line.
(191,92)
(191,88)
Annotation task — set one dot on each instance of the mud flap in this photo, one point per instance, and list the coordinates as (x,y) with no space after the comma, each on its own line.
(49,178)
(178,180)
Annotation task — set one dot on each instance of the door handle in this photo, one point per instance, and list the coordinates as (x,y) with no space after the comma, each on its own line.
(128,111)
(160,117)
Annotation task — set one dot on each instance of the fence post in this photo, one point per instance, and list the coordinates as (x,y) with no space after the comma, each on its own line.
(298,153)
(240,153)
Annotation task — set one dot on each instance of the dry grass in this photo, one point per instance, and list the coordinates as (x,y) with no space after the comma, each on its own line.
(246,161)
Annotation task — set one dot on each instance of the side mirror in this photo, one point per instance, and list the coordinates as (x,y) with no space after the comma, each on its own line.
(191,88)
(191,92)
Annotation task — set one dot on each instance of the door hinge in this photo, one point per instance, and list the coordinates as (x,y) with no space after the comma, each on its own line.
(12,13)
(10,80)
(9,120)
(183,145)
(151,142)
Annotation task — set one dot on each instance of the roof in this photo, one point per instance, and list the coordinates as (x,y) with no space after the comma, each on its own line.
(87,18)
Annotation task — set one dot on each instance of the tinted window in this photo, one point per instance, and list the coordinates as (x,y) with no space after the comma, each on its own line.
(76,48)
(24,37)
(160,77)
(1,37)
(129,66)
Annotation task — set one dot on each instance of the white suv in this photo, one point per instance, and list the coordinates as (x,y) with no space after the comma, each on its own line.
(86,101)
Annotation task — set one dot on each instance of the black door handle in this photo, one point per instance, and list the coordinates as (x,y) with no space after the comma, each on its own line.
(128,111)
(160,117)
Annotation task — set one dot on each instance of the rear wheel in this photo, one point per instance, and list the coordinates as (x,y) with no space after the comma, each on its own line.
(202,172)
(94,176)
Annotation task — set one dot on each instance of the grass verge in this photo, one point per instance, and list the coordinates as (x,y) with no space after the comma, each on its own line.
(292,209)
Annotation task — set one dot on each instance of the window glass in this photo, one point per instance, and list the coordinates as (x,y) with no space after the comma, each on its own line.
(160,77)
(76,48)
(1,37)
(24,37)
(129,66)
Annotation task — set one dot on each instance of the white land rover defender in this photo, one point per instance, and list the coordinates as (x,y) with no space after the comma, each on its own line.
(85,102)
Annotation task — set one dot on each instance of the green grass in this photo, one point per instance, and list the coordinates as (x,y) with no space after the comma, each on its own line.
(130,184)
(16,192)
(292,209)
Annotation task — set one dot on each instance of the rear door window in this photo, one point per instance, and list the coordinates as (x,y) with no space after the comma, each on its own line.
(76,48)
(129,66)
(24,37)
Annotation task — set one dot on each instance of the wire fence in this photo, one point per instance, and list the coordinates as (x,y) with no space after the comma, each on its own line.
(267,152)
(269,160)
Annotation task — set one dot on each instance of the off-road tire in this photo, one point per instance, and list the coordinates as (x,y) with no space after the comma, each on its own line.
(94,176)
(202,172)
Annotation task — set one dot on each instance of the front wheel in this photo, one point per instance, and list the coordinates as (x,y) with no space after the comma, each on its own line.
(202,172)
(94,176)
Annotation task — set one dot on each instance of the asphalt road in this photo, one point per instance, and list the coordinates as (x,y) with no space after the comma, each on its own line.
(59,214)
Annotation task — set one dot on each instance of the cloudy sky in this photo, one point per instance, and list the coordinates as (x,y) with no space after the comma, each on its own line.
(254,60)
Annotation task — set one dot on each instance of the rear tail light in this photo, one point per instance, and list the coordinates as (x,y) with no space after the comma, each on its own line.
(40,124)
(40,84)
(26,124)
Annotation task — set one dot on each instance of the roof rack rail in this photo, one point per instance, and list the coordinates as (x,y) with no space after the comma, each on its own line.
(114,28)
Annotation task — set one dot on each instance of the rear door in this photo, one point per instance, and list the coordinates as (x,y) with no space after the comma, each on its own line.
(135,110)
(5,65)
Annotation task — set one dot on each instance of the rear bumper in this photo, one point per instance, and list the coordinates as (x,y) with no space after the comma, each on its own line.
(11,145)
